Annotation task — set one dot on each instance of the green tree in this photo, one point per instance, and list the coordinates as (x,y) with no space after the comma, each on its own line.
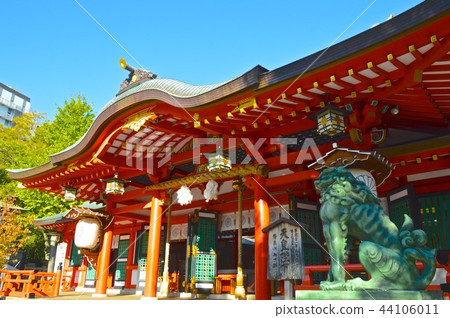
(19,146)
(28,144)
(4,178)
(13,232)
(70,124)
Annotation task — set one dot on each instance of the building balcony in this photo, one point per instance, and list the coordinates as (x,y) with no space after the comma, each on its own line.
(6,116)
(10,104)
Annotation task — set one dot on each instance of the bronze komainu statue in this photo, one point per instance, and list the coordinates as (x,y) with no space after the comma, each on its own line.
(388,254)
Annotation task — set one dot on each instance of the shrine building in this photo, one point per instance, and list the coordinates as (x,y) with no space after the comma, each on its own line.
(180,180)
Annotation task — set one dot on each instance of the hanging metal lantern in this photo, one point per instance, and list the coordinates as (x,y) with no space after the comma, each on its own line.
(237,183)
(218,161)
(70,193)
(114,185)
(330,120)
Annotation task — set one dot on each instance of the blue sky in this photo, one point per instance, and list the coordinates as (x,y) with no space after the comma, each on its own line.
(52,50)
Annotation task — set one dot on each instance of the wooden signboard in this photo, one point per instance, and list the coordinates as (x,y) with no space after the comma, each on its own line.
(60,255)
(285,250)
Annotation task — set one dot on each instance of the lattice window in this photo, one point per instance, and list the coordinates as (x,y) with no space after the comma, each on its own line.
(204,267)
(314,256)
(123,248)
(206,238)
(121,272)
(90,272)
(144,243)
(314,226)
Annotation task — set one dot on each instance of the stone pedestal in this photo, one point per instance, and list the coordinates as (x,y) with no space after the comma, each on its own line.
(369,295)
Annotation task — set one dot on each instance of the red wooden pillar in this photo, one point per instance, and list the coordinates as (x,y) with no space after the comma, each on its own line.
(154,236)
(103,263)
(104,258)
(262,219)
(83,272)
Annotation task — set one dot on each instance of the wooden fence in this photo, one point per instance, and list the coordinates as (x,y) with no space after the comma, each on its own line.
(29,283)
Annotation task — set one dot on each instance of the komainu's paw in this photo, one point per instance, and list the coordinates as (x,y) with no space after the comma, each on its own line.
(339,285)
(355,284)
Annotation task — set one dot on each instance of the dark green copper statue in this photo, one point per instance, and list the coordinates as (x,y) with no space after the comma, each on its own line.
(387,253)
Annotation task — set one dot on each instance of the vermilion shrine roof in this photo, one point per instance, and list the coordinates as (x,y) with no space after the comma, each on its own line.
(392,77)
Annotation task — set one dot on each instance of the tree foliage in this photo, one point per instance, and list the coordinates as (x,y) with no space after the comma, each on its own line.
(28,144)
(19,145)
(13,232)
(69,125)
(31,140)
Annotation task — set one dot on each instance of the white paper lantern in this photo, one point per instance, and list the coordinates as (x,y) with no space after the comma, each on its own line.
(211,190)
(366,177)
(184,195)
(87,233)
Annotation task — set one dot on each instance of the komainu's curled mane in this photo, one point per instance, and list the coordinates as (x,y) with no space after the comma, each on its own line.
(387,253)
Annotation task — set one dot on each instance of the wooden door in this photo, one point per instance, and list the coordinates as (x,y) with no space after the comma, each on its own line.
(307,213)
(403,201)
(435,212)
(201,264)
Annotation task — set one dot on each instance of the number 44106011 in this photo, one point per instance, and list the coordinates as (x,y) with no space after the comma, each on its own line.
(409,309)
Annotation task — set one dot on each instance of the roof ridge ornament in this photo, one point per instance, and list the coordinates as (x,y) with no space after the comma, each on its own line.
(135,75)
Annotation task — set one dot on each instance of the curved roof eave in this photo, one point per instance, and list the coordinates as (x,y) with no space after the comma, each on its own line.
(188,96)
(18,174)
(170,91)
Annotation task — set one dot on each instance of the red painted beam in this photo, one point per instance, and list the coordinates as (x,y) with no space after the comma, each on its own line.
(292,178)
(432,188)
(180,219)
(130,195)
(420,168)
(411,153)
(296,157)
(131,208)
(433,181)
(132,216)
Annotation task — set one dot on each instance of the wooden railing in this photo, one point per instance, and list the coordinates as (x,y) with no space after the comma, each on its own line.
(308,282)
(29,283)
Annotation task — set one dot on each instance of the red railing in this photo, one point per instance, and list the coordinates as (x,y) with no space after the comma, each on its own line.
(29,283)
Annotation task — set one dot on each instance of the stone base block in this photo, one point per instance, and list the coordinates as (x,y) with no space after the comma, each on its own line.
(368,295)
